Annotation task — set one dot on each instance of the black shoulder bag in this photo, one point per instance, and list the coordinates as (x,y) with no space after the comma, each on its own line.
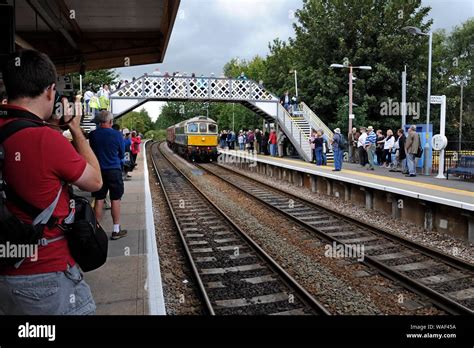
(87,240)
(419,151)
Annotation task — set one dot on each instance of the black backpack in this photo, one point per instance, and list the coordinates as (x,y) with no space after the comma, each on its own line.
(343,143)
(88,242)
(14,233)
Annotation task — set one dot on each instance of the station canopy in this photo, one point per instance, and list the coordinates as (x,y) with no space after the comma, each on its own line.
(80,35)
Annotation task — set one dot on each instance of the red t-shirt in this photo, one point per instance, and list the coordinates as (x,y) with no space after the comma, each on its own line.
(36,160)
(136,141)
(273,138)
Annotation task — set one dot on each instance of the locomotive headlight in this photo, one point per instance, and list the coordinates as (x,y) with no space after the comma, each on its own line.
(203,139)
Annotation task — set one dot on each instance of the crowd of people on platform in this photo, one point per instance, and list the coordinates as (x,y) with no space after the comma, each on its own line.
(396,152)
(256,141)
(365,146)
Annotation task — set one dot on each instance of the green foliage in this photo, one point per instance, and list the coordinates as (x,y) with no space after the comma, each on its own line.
(253,69)
(176,112)
(226,115)
(453,58)
(371,35)
(157,135)
(139,121)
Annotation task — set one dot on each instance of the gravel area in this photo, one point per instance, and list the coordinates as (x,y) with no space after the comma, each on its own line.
(181,296)
(334,282)
(442,242)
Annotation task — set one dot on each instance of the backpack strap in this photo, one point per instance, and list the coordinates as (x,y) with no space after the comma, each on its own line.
(6,131)
(15,126)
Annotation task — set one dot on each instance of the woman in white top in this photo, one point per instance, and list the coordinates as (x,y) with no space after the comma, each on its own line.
(387,148)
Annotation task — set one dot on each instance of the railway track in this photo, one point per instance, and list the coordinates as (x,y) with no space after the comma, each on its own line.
(446,281)
(234,275)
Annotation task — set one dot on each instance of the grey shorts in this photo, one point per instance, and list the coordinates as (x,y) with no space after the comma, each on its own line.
(57,293)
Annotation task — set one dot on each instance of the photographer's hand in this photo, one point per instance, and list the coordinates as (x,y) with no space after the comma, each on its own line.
(72,115)
(78,139)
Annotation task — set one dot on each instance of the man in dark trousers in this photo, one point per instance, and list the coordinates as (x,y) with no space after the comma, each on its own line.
(285,100)
(402,156)
(109,148)
(412,145)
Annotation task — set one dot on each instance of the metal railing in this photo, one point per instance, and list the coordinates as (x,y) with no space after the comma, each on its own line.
(295,133)
(154,87)
(451,159)
(193,88)
(314,121)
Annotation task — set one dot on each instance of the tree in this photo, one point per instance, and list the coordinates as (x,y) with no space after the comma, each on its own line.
(176,112)
(455,55)
(277,68)
(253,69)
(138,121)
(359,33)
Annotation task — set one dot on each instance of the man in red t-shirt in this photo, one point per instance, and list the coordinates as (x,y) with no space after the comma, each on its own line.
(37,162)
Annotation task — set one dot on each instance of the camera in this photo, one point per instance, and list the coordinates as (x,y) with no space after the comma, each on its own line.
(58,108)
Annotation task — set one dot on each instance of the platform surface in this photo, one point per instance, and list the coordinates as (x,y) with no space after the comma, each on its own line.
(120,287)
(453,192)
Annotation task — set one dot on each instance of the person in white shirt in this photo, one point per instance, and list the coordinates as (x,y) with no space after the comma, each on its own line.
(387,148)
(360,147)
(87,98)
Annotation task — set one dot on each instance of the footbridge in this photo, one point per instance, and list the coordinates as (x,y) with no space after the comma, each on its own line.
(297,126)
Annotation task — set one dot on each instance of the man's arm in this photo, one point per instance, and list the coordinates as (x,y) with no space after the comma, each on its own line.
(91,178)
(121,151)
(408,142)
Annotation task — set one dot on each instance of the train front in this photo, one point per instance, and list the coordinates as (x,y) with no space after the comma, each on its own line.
(202,140)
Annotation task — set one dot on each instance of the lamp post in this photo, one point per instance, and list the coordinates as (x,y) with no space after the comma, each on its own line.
(351,80)
(417,31)
(296,82)
(233,117)
(463,82)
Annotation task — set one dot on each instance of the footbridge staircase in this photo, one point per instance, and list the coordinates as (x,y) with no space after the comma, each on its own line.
(296,125)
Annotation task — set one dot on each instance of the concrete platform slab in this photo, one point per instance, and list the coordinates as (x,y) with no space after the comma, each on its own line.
(130,281)
(456,193)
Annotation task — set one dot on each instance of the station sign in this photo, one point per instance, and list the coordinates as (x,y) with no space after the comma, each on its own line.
(436,99)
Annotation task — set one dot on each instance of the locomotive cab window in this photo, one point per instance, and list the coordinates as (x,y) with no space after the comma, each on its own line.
(212,128)
(202,128)
(192,128)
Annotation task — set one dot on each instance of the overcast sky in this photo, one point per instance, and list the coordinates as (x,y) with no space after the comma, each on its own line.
(208,33)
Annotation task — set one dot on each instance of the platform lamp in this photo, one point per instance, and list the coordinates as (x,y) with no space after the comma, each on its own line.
(351,80)
(417,31)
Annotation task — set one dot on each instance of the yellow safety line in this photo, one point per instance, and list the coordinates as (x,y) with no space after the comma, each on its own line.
(380,177)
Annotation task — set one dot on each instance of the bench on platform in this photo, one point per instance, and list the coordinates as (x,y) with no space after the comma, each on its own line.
(465,168)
